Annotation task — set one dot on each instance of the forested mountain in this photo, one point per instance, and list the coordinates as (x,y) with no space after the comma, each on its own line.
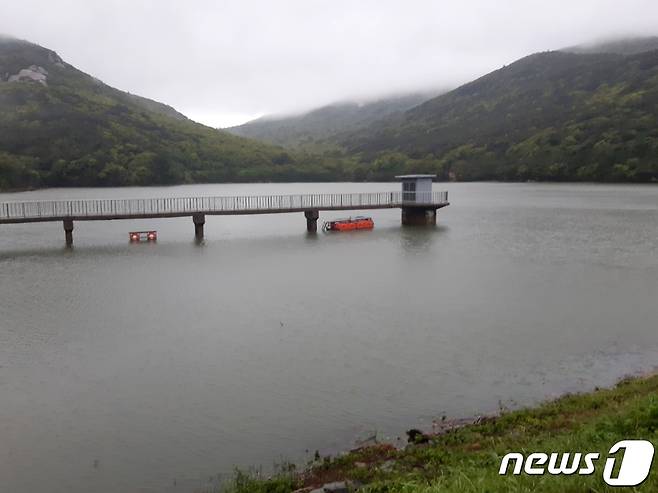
(317,127)
(549,116)
(62,127)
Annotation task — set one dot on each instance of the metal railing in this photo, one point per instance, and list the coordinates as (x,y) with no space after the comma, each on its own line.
(190,205)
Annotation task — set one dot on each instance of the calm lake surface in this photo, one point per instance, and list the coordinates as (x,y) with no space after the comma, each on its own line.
(156,367)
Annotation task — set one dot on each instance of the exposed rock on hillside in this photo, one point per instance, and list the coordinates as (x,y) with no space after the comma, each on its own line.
(34,73)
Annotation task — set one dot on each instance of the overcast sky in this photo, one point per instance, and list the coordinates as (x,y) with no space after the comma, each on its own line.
(224,62)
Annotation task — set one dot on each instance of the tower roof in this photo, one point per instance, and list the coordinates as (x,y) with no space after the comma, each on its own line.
(413,177)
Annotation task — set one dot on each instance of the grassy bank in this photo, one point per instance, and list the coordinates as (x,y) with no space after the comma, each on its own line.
(467,459)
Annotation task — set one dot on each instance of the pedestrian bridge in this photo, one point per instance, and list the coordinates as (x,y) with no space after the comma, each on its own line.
(417,207)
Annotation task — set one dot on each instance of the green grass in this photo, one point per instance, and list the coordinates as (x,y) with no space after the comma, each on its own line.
(467,459)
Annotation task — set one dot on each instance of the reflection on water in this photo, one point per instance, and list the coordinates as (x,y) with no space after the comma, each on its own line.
(418,240)
(154,367)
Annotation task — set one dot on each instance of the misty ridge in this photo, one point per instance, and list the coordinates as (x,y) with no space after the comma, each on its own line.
(584,113)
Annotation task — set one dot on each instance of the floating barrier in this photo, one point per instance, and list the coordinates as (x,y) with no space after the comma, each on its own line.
(349,224)
(136,236)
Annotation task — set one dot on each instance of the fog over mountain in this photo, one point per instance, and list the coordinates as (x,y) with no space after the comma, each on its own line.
(224,63)
(320,124)
(618,46)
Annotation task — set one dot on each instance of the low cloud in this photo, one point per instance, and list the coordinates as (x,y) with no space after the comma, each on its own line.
(221,62)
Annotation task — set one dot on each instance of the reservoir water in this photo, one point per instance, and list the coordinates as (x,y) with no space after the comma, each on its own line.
(157,367)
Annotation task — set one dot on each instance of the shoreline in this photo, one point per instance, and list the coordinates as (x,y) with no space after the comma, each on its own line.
(155,185)
(463,454)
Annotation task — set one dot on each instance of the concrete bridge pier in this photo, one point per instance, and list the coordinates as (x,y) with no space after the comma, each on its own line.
(418,216)
(312,220)
(199,220)
(68,231)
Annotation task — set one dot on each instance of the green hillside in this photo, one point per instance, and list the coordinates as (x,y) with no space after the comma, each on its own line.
(582,114)
(549,116)
(316,128)
(62,127)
